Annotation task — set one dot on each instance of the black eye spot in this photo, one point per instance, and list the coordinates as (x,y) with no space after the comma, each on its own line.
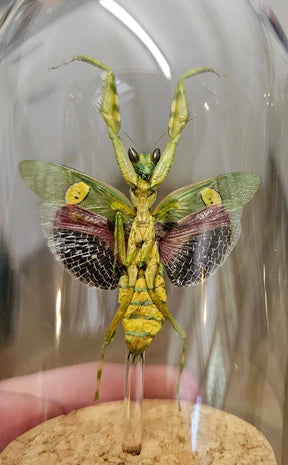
(133,155)
(156,155)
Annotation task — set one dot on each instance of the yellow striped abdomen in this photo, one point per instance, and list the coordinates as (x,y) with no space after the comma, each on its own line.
(142,320)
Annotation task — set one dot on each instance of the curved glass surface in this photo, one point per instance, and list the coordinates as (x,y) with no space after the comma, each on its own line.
(236,322)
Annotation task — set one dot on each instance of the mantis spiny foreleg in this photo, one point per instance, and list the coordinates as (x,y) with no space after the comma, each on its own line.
(110,112)
(179,117)
(109,107)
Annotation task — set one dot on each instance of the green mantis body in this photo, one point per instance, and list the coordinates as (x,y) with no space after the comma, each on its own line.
(190,233)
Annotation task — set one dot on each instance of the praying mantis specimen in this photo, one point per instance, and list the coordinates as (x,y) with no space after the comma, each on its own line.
(108,241)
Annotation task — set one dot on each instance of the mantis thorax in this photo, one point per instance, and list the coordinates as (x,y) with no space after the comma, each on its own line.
(143,196)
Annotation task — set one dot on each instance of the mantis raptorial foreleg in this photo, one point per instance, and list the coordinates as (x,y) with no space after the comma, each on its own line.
(109,107)
(110,112)
(179,117)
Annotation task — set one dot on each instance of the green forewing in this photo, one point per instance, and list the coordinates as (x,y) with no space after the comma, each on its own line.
(235,189)
(50,182)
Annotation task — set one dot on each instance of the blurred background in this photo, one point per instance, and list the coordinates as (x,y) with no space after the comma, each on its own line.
(280,9)
(237,321)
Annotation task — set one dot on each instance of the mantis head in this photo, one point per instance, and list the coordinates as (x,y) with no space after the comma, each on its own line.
(144,163)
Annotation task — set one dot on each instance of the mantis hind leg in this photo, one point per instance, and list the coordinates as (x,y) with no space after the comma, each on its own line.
(163,308)
(124,301)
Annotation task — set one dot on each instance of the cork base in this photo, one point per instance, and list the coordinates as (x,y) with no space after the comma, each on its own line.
(199,435)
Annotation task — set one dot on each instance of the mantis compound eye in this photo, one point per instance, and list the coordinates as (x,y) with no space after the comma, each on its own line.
(156,155)
(133,155)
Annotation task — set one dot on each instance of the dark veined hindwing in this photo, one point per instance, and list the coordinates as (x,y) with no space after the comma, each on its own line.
(87,257)
(195,247)
(84,242)
(198,226)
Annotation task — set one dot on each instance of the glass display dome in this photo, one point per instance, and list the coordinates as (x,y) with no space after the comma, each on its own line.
(236,322)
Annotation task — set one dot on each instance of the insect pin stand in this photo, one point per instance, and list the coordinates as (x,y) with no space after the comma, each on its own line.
(134,387)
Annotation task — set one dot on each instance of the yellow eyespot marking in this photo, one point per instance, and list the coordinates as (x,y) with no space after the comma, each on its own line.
(210,197)
(77,193)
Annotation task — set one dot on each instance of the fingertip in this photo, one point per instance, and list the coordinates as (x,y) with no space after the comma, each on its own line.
(20,412)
